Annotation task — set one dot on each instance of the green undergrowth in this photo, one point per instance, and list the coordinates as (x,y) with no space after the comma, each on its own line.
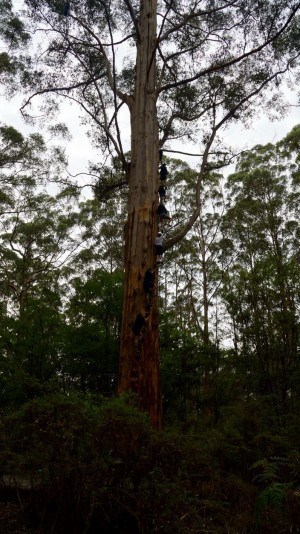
(80,466)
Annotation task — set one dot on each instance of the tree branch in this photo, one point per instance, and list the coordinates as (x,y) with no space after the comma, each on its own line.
(191,16)
(134,19)
(188,225)
(110,77)
(66,88)
(103,190)
(115,116)
(221,66)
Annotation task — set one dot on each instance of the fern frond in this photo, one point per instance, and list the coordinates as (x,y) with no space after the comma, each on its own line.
(273,496)
(269,471)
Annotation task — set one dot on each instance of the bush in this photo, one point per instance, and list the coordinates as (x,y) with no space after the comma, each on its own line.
(91,467)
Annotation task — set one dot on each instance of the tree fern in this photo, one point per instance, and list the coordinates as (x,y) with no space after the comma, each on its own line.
(273,496)
(268,470)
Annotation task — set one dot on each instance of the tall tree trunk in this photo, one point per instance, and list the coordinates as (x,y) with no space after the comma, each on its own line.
(207,378)
(139,351)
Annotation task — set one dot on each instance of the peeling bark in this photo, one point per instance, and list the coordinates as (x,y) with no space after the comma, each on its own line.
(139,350)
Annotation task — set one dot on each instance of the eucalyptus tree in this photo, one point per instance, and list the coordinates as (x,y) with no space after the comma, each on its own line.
(189,269)
(95,279)
(36,239)
(262,285)
(18,152)
(191,276)
(36,227)
(92,332)
(101,222)
(13,34)
(197,66)
(101,234)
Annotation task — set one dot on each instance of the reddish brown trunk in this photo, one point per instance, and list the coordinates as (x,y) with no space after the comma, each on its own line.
(139,352)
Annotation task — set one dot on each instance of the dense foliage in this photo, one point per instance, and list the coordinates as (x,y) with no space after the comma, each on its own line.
(72,458)
(85,467)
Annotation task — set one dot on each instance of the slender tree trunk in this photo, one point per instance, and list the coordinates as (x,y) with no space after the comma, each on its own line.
(139,351)
(205,301)
(207,378)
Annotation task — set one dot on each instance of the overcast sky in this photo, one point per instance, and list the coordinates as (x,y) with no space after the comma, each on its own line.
(79,149)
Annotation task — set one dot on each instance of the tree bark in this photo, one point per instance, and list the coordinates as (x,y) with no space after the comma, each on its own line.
(139,352)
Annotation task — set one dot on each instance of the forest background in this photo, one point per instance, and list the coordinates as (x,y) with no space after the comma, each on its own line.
(75,458)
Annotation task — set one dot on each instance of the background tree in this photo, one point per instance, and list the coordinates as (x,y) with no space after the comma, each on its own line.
(36,239)
(92,333)
(190,331)
(261,286)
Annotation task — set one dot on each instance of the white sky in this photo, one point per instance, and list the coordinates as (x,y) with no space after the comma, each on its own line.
(79,149)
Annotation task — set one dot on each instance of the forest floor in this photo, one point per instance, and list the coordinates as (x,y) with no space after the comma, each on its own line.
(12,519)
